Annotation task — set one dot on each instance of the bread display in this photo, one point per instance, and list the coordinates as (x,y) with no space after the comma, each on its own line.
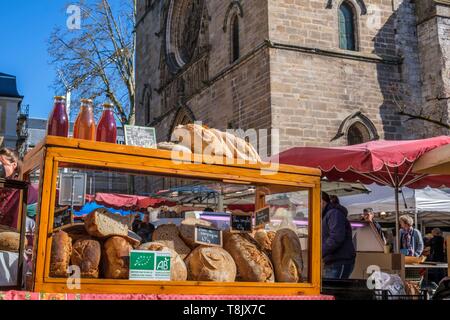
(211,264)
(9,241)
(253,265)
(287,256)
(169,232)
(116,258)
(100,223)
(178,271)
(86,255)
(187,230)
(264,239)
(60,254)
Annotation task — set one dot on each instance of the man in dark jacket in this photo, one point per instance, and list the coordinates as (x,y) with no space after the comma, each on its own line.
(338,252)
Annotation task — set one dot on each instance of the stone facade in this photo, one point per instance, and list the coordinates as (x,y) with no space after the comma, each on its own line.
(291,74)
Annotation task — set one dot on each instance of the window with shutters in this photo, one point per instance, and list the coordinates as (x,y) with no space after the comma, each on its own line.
(235,54)
(347,27)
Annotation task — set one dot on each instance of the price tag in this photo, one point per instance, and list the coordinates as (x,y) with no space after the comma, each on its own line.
(262,217)
(241,222)
(140,136)
(208,236)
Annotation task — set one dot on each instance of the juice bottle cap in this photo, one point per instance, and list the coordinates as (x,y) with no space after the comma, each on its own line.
(86,101)
(60,98)
(108,105)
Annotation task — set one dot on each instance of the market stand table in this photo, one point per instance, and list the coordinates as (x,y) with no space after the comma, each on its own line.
(56,153)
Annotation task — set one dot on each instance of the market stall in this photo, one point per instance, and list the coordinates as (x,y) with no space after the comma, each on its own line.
(436,162)
(262,254)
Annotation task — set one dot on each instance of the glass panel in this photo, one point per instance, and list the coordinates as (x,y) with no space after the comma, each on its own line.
(346,27)
(166,208)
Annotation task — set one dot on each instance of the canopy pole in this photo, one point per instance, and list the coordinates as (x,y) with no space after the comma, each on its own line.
(397,212)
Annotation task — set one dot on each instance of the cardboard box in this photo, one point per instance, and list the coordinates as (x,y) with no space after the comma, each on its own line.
(367,262)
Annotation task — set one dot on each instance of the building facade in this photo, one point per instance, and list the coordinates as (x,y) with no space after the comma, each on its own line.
(322,72)
(10,109)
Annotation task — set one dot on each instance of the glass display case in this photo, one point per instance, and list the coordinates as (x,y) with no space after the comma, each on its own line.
(155,196)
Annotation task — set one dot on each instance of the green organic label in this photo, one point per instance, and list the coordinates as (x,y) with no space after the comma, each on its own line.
(149,265)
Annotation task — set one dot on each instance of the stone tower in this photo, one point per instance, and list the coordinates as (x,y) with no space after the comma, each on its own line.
(322,72)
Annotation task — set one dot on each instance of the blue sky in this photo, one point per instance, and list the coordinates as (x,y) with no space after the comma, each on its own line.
(25,26)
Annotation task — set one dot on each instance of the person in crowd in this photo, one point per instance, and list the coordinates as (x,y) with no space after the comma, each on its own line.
(368,216)
(437,246)
(136,223)
(338,251)
(411,242)
(9,198)
(145,229)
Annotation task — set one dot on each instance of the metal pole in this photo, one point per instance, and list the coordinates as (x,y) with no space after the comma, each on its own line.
(397,215)
(397,212)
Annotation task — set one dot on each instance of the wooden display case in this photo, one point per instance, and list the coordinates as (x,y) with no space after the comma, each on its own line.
(55,152)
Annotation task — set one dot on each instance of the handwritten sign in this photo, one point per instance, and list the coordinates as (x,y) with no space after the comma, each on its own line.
(208,236)
(140,136)
(262,217)
(149,265)
(241,222)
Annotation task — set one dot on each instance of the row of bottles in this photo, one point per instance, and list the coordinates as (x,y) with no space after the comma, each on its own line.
(84,128)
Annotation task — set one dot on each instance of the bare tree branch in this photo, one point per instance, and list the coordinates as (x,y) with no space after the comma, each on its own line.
(98,60)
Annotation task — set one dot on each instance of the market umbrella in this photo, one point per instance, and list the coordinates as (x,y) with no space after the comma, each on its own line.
(386,163)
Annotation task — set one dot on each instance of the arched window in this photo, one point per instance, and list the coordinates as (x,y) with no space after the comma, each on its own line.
(347,28)
(358,133)
(235,54)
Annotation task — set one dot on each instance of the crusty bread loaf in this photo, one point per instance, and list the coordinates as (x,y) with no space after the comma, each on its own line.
(264,239)
(60,255)
(187,230)
(287,256)
(169,232)
(252,264)
(116,258)
(211,264)
(86,255)
(100,223)
(178,271)
(9,241)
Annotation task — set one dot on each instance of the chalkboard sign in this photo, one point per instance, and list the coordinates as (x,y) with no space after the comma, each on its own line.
(262,217)
(208,236)
(241,222)
(140,136)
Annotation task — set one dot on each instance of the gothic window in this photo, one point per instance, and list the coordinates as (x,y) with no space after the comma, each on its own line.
(357,134)
(235,54)
(347,28)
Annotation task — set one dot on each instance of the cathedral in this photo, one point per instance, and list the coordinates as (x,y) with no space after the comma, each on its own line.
(322,72)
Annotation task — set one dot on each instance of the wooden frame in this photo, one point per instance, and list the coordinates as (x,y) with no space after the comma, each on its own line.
(53,151)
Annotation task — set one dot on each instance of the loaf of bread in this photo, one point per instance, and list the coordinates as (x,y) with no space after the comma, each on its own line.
(60,254)
(9,241)
(100,223)
(86,255)
(169,232)
(264,239)
(252,264)
(178,271)
(187,230)
(211,264)
(116,257)
(287,256)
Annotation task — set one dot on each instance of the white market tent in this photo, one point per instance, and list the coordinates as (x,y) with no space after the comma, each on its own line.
(430,205)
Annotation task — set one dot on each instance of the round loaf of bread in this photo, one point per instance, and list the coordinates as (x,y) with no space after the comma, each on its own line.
(86,255)
(169,232)
(211,264)
(264,239)
(252,264)
(116,258)
(178,271)
(287,256)
(187,230)
(9,241)
(60,254)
